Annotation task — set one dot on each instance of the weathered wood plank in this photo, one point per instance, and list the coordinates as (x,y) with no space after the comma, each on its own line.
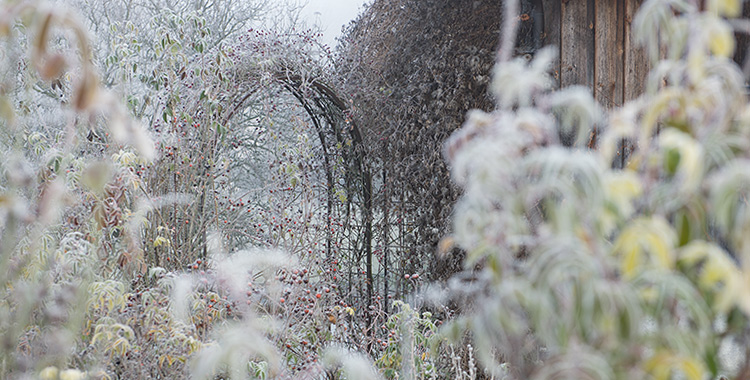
(636,60)
(743,42)
(636,67)
(552,33)
(609,52)
(577,43)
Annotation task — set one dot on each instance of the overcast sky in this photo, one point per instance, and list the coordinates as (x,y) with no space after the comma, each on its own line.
(331,15)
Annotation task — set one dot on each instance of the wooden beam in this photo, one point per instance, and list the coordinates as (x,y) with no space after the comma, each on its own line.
(552,34)
(636,60)
(577,47)
(609,53)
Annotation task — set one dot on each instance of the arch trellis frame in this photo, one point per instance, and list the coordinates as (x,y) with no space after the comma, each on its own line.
(329,114)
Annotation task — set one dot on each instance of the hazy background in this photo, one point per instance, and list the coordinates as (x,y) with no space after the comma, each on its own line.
(330,15)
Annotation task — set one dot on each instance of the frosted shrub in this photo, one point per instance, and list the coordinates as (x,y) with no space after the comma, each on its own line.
(59,199)
(105,269)
(593,272)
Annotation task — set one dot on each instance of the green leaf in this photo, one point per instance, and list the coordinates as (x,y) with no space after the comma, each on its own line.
(671,161)
(711,360)
(683,228)
(341,195)
(221,130)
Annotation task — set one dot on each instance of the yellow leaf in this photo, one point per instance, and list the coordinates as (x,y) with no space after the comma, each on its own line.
(49,373)
(631,261)
(658,366)
(661,366)
(696,64)
(72,374)
(692,368)
(721,39)
(621,189)
(719,272)
(660,105)
(649,294)
(159,241)
(661,248)
(646,241)
(120,345)
(728,8)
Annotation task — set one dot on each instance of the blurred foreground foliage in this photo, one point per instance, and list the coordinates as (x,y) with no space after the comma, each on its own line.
(588,271)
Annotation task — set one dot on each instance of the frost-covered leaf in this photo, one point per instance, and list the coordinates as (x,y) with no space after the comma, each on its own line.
(353,364)
(720,35)
(662,365)
(517,82)
(577,111)
(728,8)
(683,157)
(621,189)
(718,272)
(236,344)
(646,242)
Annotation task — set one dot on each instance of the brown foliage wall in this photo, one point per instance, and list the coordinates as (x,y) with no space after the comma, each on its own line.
(413,68)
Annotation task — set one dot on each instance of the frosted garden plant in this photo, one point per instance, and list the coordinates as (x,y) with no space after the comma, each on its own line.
(591,272)
(83,293)
(51,231)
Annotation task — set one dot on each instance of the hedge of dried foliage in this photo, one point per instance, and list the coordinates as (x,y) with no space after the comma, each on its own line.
(413,69)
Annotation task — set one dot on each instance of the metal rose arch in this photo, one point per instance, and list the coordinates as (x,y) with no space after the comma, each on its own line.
(344,166)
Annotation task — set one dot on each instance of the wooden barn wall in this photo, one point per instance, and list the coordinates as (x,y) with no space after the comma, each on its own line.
(596,47)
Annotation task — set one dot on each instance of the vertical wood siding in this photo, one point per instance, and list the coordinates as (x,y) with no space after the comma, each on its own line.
(609,54)
(552,32)
(577,43)
(636,61)
(597,48)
